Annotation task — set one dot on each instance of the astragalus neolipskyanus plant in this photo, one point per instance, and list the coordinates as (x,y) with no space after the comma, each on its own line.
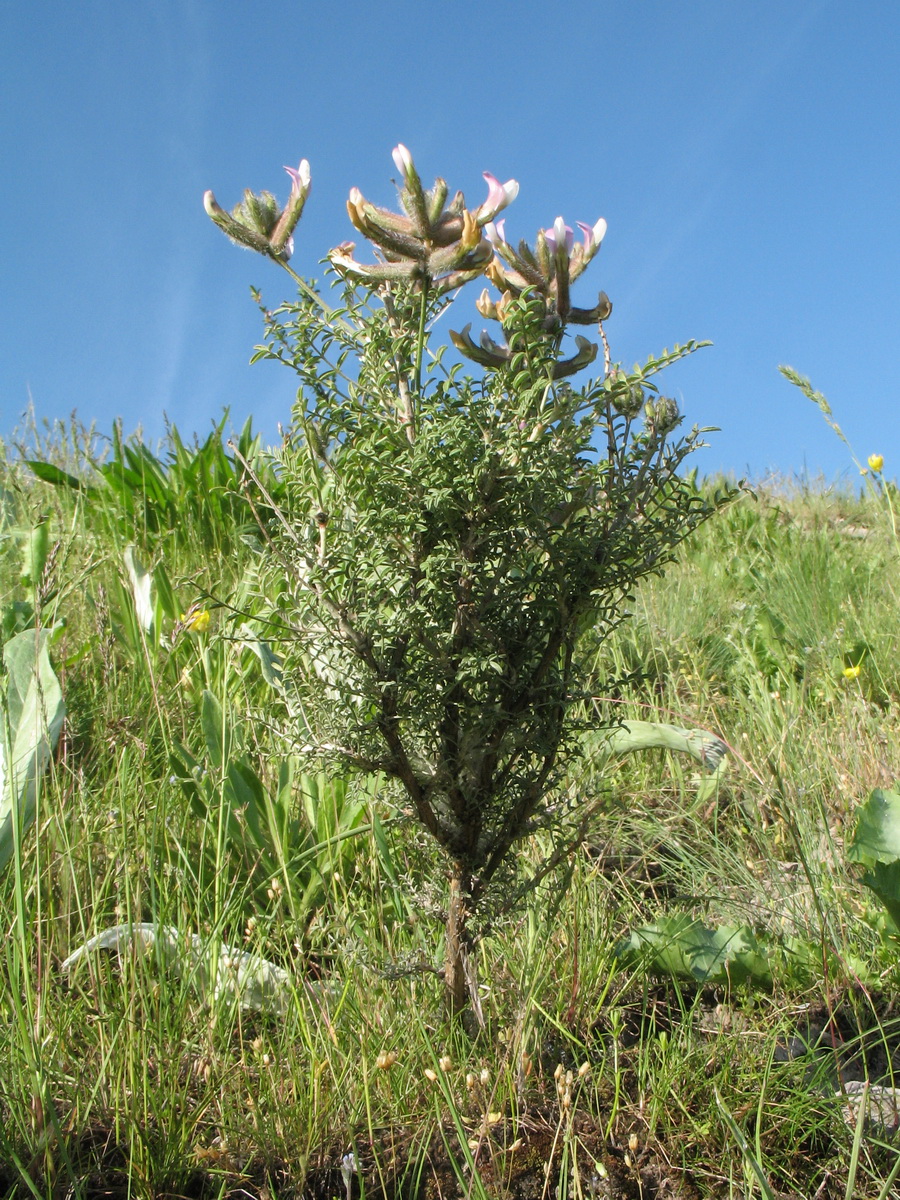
(446,541)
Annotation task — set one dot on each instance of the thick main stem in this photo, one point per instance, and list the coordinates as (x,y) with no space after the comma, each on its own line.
(458,944)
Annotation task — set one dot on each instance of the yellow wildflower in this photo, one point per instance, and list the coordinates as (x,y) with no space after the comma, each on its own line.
(876,463)
(197,621)
(852,672)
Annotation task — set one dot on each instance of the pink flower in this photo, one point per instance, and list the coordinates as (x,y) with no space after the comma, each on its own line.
(300,178)
(593,236)
(560,235)
(498,197)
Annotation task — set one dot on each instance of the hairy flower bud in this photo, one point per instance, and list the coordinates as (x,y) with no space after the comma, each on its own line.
(662,415)
(404,163)
(627,398)
(486,306)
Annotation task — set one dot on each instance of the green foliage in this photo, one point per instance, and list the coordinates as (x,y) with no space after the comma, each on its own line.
(195,491)
(134,1069)
(277,848)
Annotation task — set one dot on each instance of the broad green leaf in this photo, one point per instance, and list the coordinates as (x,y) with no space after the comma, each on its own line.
(50,473)
(165,602)
(309,794)
(219,972)
(877,835)
(141,581)
(884,880)
(686,948)
(710,751)
(189,774)
(250,798)
(271,663)
(216,731)
(385,858)
(33,718)
(35,548)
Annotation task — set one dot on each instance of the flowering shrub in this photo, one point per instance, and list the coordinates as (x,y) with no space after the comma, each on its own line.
(444,542)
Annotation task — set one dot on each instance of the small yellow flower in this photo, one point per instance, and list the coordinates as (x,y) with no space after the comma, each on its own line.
(852,672)
(196,621)
(876,463)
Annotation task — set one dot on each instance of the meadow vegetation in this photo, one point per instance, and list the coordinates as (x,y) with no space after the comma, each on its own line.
(247,950)
(127,1072)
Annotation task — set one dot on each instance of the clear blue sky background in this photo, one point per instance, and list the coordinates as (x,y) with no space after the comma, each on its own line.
(745,156)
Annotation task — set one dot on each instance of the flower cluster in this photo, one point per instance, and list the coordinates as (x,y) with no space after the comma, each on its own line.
(443,246)
(258,223)
(430,240)
(547,271)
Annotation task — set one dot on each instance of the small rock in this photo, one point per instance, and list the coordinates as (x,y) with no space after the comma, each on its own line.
(882,1106)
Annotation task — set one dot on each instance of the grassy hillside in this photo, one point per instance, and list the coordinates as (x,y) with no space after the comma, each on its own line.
(684,1021)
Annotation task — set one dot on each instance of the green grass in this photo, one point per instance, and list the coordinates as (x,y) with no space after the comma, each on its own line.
(127,1078)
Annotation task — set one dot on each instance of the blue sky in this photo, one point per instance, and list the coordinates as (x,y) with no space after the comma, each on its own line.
(745,157)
